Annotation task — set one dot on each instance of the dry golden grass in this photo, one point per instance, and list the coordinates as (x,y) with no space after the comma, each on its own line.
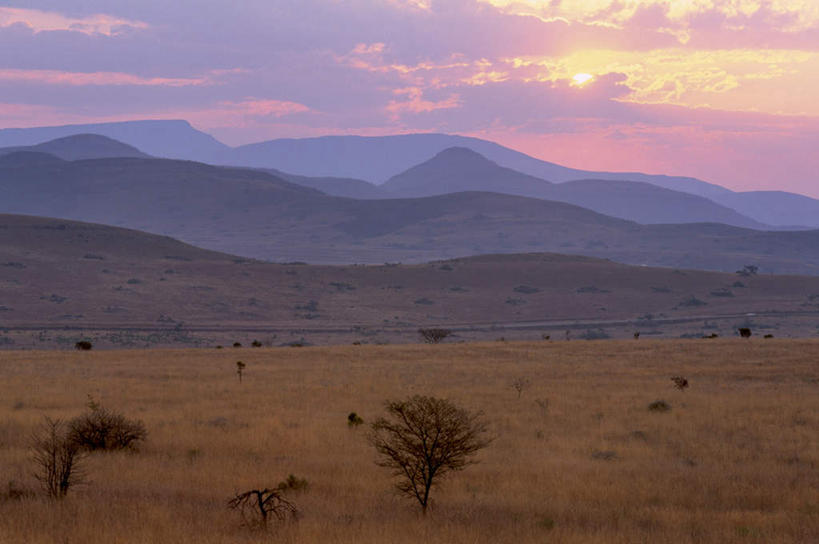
(735,460)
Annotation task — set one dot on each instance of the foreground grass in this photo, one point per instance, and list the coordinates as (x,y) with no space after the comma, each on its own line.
(577,458)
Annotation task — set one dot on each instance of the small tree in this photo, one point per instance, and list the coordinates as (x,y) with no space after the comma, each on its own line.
(56,458)
(520,384)
(434,336)
(258,505)
(83,345)
(422,439)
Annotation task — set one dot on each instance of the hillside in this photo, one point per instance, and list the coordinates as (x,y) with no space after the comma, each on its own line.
(461,169)
(80,146)
(376,159)
(59,273)
(258,215)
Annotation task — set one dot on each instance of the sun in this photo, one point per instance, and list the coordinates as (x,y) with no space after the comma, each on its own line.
(581,79)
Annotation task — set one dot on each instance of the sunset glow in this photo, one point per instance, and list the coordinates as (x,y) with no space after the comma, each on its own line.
(665,85)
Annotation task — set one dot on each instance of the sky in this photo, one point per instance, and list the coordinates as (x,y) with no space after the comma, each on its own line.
(723,90)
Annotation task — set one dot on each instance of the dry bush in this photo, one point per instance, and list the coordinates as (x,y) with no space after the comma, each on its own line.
(424,438)
(434,336)
(259,506)
(105,430)
(56,458)
(679,382)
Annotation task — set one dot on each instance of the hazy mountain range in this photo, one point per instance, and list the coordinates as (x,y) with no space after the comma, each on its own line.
(257,214)
(346,163)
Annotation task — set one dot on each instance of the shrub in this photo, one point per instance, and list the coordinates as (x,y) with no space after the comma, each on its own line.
(105,430)
(354,420)
(57,458)
(744,332)
(292,483)
(434,336)
(679,382)
(659,406)
(256,344)
(237,344)
(83,345)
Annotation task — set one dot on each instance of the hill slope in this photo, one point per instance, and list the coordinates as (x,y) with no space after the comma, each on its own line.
(461,169)
(255,214)
(80,146)
(57,273)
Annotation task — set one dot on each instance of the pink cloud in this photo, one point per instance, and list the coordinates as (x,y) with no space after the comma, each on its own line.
(44,21)
(56,77)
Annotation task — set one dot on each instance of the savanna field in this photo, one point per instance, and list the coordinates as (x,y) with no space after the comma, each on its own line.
(577,455)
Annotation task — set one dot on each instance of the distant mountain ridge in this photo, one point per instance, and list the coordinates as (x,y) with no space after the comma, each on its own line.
(376,159)
(80,146)
(462,169)
(255,214)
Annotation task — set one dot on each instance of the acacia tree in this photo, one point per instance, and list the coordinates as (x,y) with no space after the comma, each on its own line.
(424,438)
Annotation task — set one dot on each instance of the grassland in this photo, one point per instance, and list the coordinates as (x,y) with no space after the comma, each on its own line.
(577,458)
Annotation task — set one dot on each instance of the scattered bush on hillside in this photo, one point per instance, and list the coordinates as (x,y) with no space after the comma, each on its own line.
(659,406)
(434,336)
(769,336)
(256,344)
(101,429)
(403,444)
(83,345)
(57,458)
(259,506)
(526,290)
(691,302)
(636,335)
(748,270)
(744,332)
(237,344)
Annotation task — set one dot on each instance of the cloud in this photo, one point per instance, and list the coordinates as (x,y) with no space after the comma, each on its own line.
(46,21)
(54,77)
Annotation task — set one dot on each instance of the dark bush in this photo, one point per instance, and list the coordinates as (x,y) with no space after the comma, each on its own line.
(237,344)
(292,483)
(354,420)
(256,344)
(83,345)
(105,430)
(745,332)
(434,336)
(659,406)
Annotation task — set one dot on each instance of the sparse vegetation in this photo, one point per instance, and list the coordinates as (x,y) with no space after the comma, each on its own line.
(659,406)
(83,345)
(679,382)
(545,478)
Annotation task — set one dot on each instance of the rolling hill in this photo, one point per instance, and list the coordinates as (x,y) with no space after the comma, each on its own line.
(80,146)
(57,273)
(258,215)
(461,169)
(376,159)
